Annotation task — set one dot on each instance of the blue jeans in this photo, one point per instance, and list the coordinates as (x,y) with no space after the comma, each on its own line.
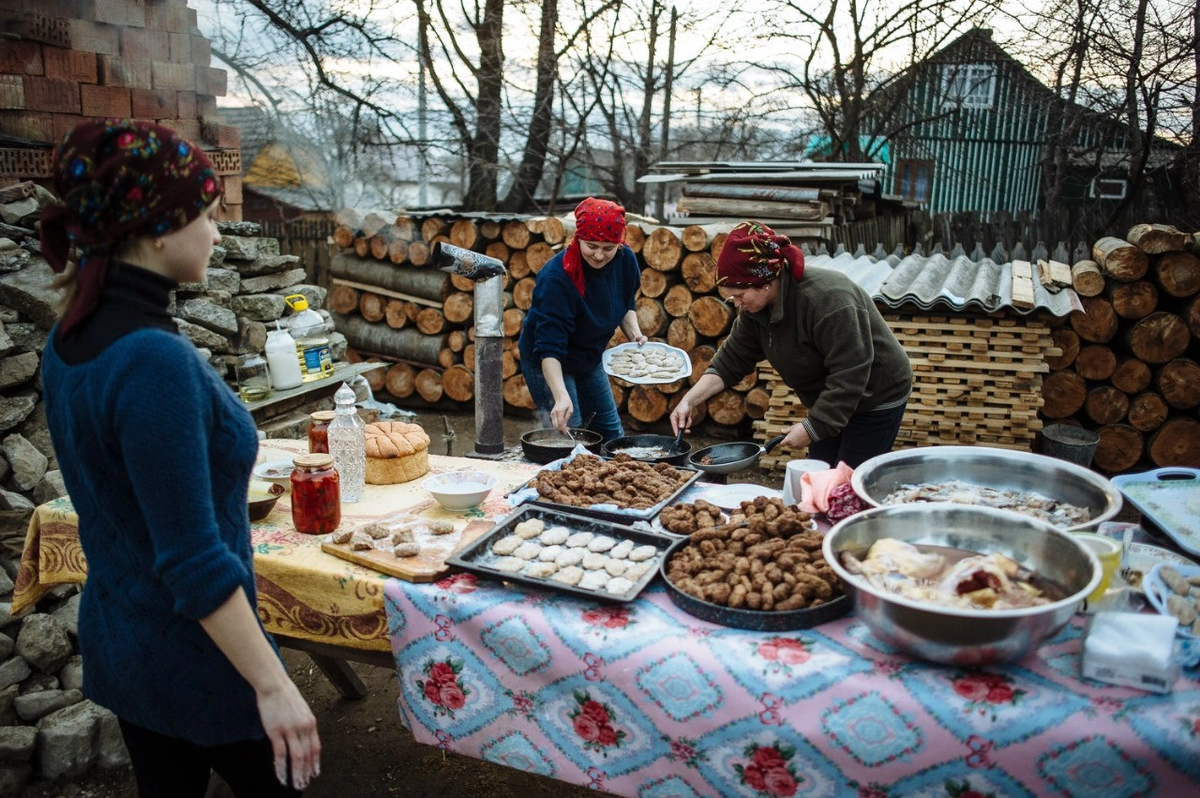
(590,393)
(864,436)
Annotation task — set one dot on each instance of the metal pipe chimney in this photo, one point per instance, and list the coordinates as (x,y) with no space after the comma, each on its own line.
(488,275)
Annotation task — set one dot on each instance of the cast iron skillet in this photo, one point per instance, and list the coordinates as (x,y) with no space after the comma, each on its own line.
(729,457)
(546,445)
(664,442)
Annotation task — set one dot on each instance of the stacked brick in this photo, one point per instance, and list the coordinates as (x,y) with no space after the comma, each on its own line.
(72,60)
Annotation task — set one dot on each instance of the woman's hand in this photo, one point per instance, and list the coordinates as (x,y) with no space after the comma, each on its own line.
(292,730)
(797,437)
(640,339)
(560,415)
(681,416)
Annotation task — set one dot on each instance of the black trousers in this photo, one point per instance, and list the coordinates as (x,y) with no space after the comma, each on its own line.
(168,767)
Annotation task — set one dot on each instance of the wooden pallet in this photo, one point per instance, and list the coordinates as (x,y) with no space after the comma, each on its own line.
(976,380)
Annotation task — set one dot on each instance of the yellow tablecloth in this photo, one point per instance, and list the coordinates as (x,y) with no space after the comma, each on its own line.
(303,592)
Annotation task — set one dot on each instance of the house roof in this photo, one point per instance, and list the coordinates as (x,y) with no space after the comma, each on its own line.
(958,282)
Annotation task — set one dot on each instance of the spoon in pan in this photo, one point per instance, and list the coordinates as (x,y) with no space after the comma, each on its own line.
(676,445)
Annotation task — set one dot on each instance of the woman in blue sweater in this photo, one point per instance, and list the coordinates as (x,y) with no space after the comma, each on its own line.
(581,296)
(156,453)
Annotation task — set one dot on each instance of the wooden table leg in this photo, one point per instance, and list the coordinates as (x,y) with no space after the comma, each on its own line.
(334,662)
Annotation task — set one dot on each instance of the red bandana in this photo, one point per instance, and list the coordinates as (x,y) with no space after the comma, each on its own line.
(595,220)
(754,255)
(117,180)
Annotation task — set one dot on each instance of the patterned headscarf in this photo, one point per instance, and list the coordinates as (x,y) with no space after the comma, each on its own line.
(595,220)
(754,255)
(116,180)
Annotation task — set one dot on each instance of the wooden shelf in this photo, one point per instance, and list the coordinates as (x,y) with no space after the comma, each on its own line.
(280,402)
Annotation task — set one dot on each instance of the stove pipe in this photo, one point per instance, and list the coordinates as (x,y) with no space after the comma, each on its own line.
(488,276)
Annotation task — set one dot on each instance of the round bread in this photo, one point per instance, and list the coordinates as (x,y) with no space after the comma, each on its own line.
(396,452)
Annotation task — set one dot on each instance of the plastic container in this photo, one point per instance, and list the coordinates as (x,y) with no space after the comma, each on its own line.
(316,498)
(1073,444)
(318,431)
(282,359)
(312,344)
(348,445)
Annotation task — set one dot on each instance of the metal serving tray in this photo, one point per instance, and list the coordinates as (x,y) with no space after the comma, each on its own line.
(616,515)
(476,556)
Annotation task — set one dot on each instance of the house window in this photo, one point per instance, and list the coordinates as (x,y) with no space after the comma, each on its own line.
(1109,188)
(913,179)
(969,85)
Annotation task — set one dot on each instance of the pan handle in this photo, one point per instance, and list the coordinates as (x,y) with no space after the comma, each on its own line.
(771,444)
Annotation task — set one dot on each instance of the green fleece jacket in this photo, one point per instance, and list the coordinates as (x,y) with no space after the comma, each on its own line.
(830,345)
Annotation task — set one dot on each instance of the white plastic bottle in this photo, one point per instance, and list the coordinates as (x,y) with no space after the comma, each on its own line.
(312,344)
(348,445)
(281,359)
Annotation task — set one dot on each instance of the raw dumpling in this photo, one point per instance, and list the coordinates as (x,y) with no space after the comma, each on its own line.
(548,553)
(569,575)
(601,543)
(555,535)
(510,564)
(594,560)
(528,550)
(540,570)
(407,549)
(642,553)
(621,550)
(506,545)
(569,557)
(618,586)
(616,567)
(594,580)
(580,539)
(636,571)
(530,528)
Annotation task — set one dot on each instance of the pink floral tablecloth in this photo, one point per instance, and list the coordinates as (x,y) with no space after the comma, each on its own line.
(644,700)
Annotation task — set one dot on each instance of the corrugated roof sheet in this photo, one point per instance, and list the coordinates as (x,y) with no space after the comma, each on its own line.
(935,280)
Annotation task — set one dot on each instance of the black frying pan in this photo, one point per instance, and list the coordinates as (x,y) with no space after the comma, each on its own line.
(725,458)
(547,445)
(664,442)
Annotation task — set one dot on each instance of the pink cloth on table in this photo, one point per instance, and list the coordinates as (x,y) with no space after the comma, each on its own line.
(818,485)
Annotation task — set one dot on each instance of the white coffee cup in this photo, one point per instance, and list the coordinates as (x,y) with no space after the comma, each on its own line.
(792,493)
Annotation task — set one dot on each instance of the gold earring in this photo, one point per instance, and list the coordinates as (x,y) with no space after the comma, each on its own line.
(158,244)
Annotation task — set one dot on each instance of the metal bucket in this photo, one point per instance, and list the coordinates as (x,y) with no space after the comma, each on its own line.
(1068,442)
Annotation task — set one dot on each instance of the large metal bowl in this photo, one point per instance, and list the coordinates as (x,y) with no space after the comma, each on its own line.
(993,468)
(964,636)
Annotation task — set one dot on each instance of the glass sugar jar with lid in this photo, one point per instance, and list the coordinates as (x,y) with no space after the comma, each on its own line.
(316,497)
(318,431)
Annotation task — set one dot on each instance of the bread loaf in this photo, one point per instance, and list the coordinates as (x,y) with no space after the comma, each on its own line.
(396,452)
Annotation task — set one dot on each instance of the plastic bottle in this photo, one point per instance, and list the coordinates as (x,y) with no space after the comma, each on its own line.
(348,445)
(281,359)
(312,344)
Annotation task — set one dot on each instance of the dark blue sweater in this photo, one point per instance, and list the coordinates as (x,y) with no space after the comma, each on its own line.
(572,328)
(156,454)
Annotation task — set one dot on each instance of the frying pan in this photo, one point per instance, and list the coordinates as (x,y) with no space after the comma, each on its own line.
(664,442)
(729,457)
(548,444)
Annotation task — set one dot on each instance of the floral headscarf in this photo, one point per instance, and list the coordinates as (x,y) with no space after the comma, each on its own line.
(754,255)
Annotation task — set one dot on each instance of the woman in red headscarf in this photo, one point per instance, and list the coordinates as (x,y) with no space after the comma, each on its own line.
(824,336)
(156,453)
(581,296)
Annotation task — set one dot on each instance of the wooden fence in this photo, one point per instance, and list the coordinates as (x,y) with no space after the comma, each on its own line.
(307,238)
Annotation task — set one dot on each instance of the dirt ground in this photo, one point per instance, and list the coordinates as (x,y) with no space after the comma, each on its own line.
(365,750)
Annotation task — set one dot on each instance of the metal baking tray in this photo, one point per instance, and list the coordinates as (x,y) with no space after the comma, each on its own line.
(755,620)
(476,556)
(617,516)
(1170,499)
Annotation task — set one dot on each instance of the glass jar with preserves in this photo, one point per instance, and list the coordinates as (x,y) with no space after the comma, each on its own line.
(318,431)
(316,497)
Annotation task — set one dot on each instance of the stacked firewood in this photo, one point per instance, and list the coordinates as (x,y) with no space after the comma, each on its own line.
(1130,363)
(392,306)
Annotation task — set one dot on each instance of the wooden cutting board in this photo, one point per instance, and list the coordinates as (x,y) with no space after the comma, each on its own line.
(427,566)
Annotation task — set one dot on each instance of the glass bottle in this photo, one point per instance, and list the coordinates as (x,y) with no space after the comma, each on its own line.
(254,382)
(316,503)
(348,445)
(318,431)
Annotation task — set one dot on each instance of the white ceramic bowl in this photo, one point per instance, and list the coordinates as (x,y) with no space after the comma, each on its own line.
(460,490)
(276,471)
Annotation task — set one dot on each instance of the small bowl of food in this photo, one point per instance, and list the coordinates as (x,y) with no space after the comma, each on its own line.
(261,498)
(959,584)
(460,490)
(278,472)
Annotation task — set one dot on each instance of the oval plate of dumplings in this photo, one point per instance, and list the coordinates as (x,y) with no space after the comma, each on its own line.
(1175,590)
(575,554)
(652,363)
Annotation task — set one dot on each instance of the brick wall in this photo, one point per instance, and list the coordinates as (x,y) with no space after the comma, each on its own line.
(79,59)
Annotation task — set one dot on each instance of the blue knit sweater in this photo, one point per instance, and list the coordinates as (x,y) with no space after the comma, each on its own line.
(572,328)
(156,454)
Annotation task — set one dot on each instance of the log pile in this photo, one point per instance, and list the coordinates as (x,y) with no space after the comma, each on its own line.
(1129,367)
(976,380)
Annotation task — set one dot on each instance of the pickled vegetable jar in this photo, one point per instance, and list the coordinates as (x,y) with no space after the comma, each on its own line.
(316,496)
(318,431)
